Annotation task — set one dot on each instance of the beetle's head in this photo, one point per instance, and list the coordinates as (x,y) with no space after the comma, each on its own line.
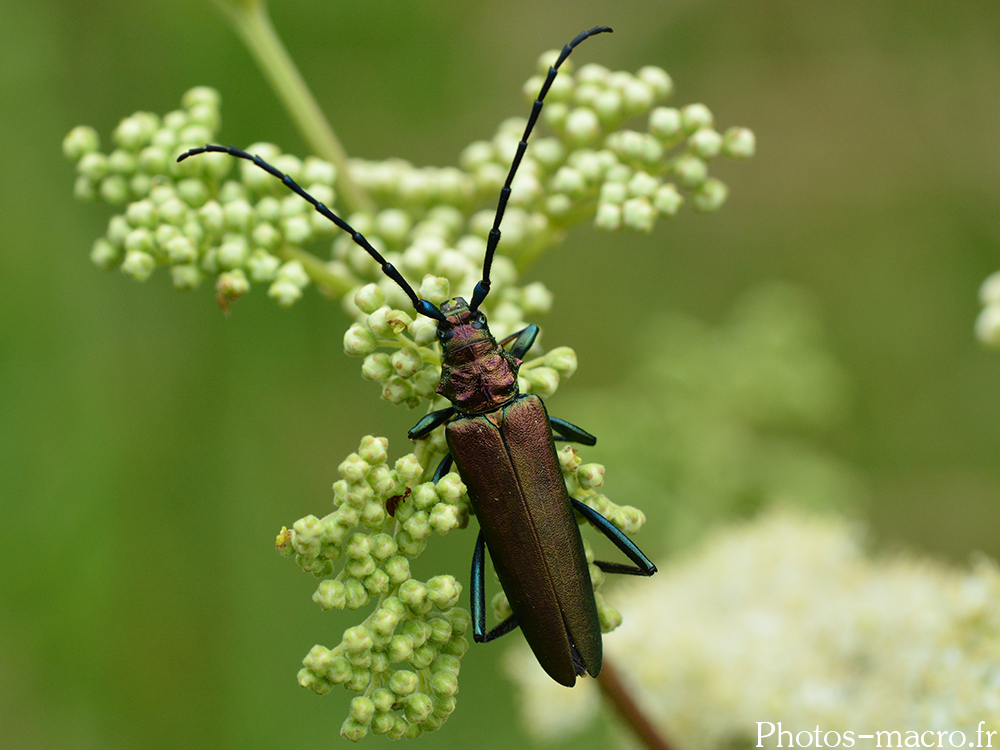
(461,326)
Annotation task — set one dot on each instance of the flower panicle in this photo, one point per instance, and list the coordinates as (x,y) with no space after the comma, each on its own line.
(403,658)
(199,220)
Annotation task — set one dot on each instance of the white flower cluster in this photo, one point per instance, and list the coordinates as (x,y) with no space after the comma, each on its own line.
(788,619)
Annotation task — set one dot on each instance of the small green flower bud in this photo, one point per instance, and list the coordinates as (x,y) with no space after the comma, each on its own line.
(284,292)
(232,284)
(298,230)
(383,699)
(104,254)
(989,290)
(423,330)
(93,165)
(186,276)
(319,659)
(408,469)
(501,606)
(637,96)
(359,546)
(667,200)
(403,682)
(360,568)
(569,458)
(193,192)
(80,141)
(450,487)
(608,106)
(369,298)
(362,709)
(425,496)
(84,188)
(658,79)
(739,143)
(330,594)
(356,594)
(590,476)
(377,366)
(294,272)
(114,190)
(666,124)
(418,707)
(582,126)
(443,591)
(122,163)
(418,526)
(234,252)
(569,181)
(444,518)
(440,630)
(378,582)
(353,468)
(642,185)
(695,117)
(306,536)
(398,569)
(536,299)
(413,594)
(262,265)
(710,195)
(608,217)
(359,341)
(406,362)
(705,143)
(400,648)
(353,730)
(690,170)
(542,380)
(563,360)
(396,391)
(443,708)
(139,265)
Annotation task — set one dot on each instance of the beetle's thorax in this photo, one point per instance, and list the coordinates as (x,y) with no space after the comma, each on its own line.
(477,375)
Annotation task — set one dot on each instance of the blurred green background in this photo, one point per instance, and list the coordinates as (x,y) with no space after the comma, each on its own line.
(150,448)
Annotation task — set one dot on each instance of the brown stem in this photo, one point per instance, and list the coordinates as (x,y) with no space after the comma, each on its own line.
(617,693)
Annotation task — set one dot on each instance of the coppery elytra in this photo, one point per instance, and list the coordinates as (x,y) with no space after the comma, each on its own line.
(502,443)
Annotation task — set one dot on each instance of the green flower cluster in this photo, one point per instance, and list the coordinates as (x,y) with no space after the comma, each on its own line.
(195,219)
(381,520)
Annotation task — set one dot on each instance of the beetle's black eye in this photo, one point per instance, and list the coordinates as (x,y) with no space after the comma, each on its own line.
(479,321)
(445,333)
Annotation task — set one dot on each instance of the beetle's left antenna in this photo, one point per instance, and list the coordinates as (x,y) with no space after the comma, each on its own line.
(422,306)
(483,287)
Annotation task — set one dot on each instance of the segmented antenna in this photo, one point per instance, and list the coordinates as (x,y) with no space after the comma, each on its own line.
(422,306)
(483,287)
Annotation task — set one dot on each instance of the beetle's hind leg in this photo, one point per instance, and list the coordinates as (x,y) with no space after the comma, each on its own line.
(478,597)
(643,565)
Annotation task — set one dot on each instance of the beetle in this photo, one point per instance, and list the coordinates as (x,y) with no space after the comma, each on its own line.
(502,443)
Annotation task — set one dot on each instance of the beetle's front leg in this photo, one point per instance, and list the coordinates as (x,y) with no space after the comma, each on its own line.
(429,422)
(478,599)
(523,341)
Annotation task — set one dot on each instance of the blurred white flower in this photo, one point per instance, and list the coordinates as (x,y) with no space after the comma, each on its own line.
(788,619)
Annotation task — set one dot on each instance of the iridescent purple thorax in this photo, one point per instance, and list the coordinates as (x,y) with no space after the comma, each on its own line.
(477,375)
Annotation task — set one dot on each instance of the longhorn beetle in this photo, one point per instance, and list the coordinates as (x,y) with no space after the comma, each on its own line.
(502,443)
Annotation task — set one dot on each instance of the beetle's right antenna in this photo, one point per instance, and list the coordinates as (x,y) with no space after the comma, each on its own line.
(483,287)
(422,306)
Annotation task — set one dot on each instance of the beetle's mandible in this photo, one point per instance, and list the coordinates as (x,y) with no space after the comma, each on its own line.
(502,443)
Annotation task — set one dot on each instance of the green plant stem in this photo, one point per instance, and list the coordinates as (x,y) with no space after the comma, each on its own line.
(251,21)
(617,693)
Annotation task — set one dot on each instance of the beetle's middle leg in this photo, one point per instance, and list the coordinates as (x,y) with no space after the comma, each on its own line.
(643,565)
(478,599)
(565,431)
(523,341)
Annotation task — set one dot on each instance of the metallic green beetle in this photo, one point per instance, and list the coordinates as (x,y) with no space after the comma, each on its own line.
(501,441)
